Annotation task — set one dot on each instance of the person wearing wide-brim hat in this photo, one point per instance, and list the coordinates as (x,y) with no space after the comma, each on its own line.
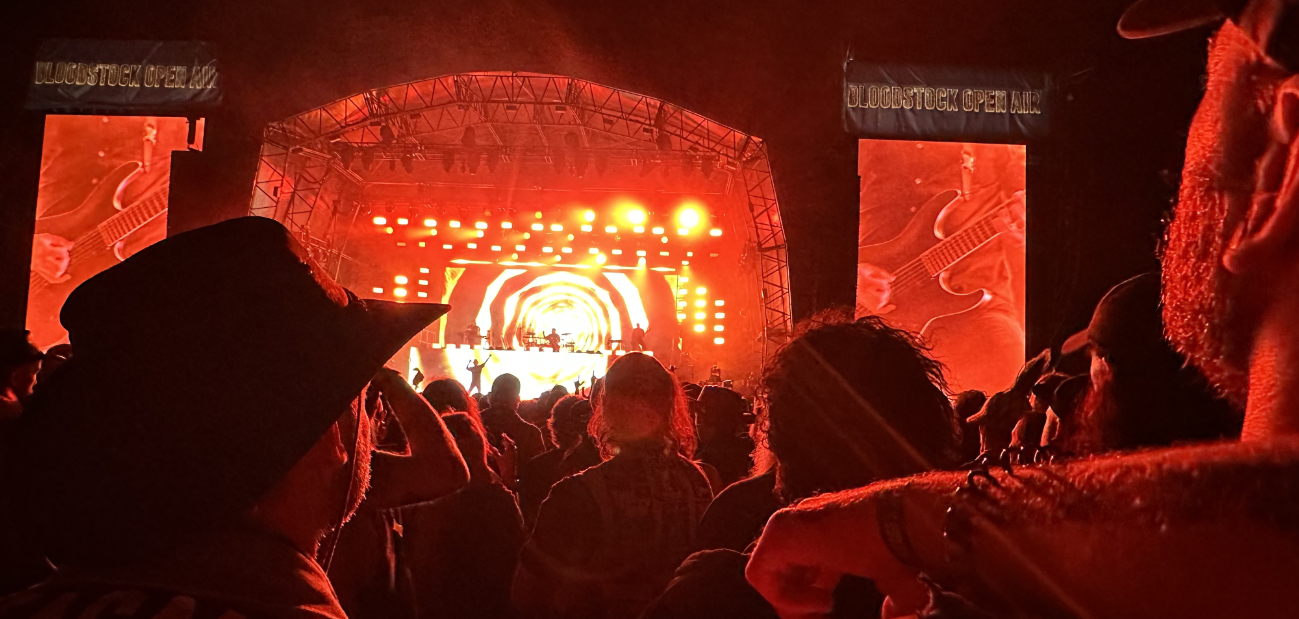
(210,430)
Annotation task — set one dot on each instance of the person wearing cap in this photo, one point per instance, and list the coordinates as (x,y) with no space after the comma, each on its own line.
(1141,394)
(724,441)
(1201,531)
(211,430)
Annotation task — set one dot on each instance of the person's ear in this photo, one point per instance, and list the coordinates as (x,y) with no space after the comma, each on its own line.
(1273,219)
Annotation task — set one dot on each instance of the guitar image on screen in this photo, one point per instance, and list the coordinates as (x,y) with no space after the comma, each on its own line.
(98,229)
(919,258)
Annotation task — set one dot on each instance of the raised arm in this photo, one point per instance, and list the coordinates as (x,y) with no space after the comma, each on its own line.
(432,468)
(1207,531)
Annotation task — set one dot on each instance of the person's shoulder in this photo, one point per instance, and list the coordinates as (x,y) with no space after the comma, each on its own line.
(96,600)
(762,485)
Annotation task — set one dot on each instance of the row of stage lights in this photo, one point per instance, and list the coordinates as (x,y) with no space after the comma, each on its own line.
(627,217)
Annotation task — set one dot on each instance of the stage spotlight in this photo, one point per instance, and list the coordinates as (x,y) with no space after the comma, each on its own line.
(657,230)
(505,225)
(719,340)
(496,248)
(682,232)
(537,214)
(556,228)
(514,256)
(446,246)
(640,262)
(719,315)
(538,227)
(639,229)
(718,328)
(664,239)
(481,234)
(380,221)
(681,304)
(402,221)
(386,134)
(589,216)
(700,315)
(422,294)
(640,252)
(593,251)
(601,259)
(715,232)
(520,248)
(472,245)
(688,218)
(377,290)
(481,225)
(567,250)
(700,303)
(423,269)
(636,216)
(685,263)
(699,328)
(701,291)
(719,303)
(547,250)
(401,279)
(681,317)
(430,223)
(400,292)
(527,235)
(408,164)
(617,252)
(455,224)
(571,237)
(388,230)
(586,227)
(610,230)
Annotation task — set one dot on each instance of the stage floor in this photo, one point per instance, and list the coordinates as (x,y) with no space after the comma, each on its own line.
(537,370)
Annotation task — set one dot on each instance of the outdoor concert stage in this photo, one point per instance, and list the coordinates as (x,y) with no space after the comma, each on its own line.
(539,204)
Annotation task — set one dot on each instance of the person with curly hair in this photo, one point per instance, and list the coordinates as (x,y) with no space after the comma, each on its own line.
(607,540)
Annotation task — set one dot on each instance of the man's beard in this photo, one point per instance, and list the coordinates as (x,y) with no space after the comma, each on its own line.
(1200,319)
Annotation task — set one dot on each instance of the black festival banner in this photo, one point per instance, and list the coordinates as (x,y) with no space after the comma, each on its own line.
(937,103)
(123,76)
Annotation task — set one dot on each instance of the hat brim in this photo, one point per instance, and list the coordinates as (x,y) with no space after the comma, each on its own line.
(1154,18)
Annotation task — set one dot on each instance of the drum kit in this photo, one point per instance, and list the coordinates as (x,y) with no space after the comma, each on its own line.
(538,340)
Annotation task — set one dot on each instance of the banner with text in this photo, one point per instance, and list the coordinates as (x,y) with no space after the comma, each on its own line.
(944,103)
(127,76)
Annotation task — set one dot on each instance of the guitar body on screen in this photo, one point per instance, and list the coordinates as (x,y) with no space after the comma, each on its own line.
(920,256)
(99,229)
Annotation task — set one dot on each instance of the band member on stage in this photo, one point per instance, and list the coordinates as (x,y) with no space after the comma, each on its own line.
(476,373)
(715,375)
(553,340)
(473,336)
(637,338)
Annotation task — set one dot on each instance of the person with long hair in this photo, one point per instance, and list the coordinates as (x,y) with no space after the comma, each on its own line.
(848,403)
(608,539)
(447,395)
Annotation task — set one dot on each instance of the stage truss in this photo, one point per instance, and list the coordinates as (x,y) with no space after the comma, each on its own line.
(615,127)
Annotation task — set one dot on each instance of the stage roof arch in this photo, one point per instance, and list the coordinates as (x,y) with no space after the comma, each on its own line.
(305,172)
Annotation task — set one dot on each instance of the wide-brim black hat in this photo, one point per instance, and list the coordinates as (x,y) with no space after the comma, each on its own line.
(205,367)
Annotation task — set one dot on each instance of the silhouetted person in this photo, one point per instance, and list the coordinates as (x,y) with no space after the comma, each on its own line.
(502,417)
(21,564)
(234,439)
(608,539)
(460,550)
(637,338)
(476,374)
(447,395)
(839,399)
(568,422)
(724,441)
(1142,394)
(553,339)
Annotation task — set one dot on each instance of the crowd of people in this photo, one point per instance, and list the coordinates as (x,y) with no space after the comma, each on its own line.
(222,440)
